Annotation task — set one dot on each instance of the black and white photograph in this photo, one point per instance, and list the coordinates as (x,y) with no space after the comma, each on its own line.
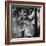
(25,21)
